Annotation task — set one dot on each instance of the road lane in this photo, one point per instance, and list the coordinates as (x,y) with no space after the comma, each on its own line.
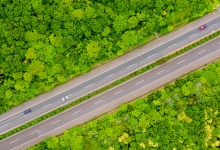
(110,96)
(110,75)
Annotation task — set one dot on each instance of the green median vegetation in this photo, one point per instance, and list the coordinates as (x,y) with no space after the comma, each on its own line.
(183,115)
(87,97)
(44,43)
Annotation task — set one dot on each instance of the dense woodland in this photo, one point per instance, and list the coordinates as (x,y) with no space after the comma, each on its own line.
(44,43)
(183,115)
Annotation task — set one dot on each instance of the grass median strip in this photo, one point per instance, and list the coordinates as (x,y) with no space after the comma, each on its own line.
(128,77)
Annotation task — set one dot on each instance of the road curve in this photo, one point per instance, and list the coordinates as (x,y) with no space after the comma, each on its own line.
(75,115)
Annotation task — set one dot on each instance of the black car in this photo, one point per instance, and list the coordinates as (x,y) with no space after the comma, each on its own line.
(27,111)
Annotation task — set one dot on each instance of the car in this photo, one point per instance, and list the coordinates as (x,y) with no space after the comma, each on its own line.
(65,98)
(202,27)
(27,111)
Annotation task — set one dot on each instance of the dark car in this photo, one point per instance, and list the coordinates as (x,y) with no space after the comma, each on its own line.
(202,27)
(27,111)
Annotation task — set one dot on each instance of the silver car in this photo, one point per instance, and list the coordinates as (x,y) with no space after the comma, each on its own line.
(65,98)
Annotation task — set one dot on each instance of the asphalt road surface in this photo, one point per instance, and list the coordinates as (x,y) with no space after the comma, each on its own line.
(107,77)
(188,59)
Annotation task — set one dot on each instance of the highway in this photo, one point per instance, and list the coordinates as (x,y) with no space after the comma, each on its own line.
(109,76)
(188,59)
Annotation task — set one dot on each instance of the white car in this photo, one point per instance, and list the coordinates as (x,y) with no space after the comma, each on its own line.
(65,98)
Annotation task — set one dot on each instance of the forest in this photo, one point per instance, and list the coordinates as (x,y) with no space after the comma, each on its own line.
(183,115)
(44,43)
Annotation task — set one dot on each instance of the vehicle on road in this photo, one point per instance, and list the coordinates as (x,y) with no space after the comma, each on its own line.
(202,27)
(65,98)
(27,111)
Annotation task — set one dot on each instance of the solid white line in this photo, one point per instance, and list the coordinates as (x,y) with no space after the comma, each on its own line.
(34,132)
(139,82)
(56,121)
(76,112)
(14,141)
(213,25)
(88,86)
(98,102)
(180,62)
(201,52)
(151,56)
(191,35)
(46,105)
(171,45)
(109,76)
(119,92)
(111,101)
(130,66)
(160,72)
(4,125)
(120,84)
(115,66)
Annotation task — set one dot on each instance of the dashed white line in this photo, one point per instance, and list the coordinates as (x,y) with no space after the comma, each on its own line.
(76,112)
(109,76)
(212,25)
(14,141)
(180,62)
(201,52)
(34,132)
(119,92)
(192,36)
(97,102)
(151,55)
(56,121)
(88,86)
(139,82)
(171,45)
(46,106)
(4,125)
(160,72)
(130,66)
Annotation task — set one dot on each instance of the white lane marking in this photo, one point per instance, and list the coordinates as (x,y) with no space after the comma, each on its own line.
(116,66)
(4,125)
(139,82)
(97,102)
(109,76)
(111,101)
(25,115)
(76,112)
(191,35)
(160,72)
(130,66)
(171,45)
(34,132)
(125,82)
(88,86)
(118,92)
(46,105)
(201,52)
(56,121)
(70,95)
(180,62)
(14,141)
(213,25)
(219,43)
(151,56)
